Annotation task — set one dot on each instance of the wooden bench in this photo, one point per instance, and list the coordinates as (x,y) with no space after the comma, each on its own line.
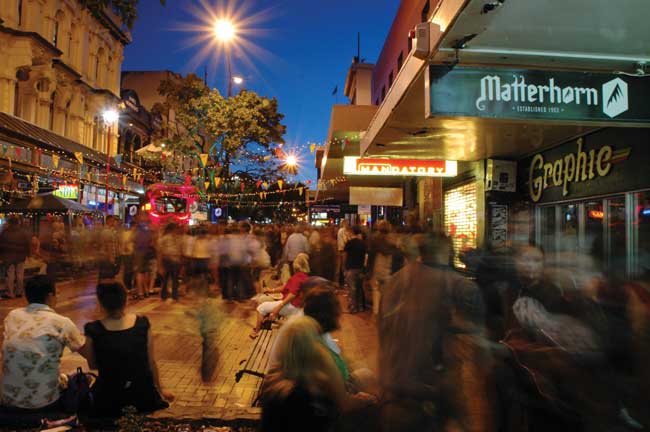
(258,361)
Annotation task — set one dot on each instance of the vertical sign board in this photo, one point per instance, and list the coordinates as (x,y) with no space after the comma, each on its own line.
(537,94)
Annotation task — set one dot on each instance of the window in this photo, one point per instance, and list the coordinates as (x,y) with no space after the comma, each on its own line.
(383,93)
(400,60)
(410,44)
(50,123)
(95,132)
(461,220)
(377,101)
(390,79)
(17,99)
(65,118)
(97,67)
(55,33)
(20,13)
(425,11)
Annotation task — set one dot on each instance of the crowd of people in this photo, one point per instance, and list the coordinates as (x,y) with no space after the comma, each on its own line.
(519,342)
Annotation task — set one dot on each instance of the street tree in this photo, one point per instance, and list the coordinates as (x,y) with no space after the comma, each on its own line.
(241,134)
(127,10)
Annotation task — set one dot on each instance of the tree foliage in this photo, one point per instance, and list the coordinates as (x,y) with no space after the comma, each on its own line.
(127,10)
(239,133)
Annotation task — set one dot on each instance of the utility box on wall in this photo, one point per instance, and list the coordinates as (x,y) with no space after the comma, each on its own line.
(501,176)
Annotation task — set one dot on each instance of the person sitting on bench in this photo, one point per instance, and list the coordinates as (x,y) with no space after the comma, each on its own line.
(291,302)
(35,337)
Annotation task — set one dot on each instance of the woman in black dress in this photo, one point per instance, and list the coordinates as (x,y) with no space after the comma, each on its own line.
(120,347)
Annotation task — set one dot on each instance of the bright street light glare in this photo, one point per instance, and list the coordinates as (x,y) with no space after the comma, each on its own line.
(110,116)
(224,30)
(237,80)
(291,161)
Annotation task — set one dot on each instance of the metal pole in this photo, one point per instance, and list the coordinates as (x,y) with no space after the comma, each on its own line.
(229,74)
(108,167)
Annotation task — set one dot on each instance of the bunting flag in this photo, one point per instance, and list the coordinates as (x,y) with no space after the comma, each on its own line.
(265,185)
(204,159)
(312,148)
(124,180)
(19,152)
(118,159)
(280,183)
(301,190)
(278,153)
(258,183)
(80,157)
(135,173)
(243,186)
(206,184)
(61,172)
(55,161)
(309,182)
(267,158)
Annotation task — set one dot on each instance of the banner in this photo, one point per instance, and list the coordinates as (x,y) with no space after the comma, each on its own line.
(55,161)
(80,157)
(204,159)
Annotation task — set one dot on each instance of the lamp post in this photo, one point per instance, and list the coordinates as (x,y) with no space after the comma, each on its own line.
(225,31)
(110,117)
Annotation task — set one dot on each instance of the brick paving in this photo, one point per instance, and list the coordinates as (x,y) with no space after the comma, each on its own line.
(177,345)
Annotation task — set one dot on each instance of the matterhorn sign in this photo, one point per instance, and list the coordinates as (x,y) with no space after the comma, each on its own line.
(538,94)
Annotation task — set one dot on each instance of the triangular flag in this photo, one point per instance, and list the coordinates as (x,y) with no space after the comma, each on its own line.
(265,185)
(204,159)
(301,190)
(118,160)
(135,172)
(55,161)
(217,181)
(123,180)
(280,183)
(267,158)
(206,184)
(258,183)
(19,152)
(80,157)
(312,148)
(243,186)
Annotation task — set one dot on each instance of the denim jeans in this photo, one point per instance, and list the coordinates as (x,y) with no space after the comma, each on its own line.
(15,278)
(356,299)
(172,270)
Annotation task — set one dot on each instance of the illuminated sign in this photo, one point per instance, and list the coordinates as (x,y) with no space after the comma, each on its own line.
(67,191)
(596,214)
(399,167)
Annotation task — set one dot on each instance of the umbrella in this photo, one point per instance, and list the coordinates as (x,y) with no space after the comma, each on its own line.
(44,204)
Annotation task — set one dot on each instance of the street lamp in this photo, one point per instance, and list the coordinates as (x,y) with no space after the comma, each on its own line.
(110,118)
(291,161)
(225,31)
(237,80)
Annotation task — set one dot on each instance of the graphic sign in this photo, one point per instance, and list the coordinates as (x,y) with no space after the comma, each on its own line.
(67,191)
(537,94)
(399,167)
(604,162)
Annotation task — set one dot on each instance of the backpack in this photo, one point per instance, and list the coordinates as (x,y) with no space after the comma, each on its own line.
(78,396)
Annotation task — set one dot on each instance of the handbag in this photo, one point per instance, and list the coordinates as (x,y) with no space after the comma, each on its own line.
(78,396)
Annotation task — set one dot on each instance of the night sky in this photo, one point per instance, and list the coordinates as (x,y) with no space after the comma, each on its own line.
(298,51)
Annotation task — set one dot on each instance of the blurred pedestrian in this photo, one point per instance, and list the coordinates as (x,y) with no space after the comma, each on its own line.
(15,242)
(355,260)
(169,252)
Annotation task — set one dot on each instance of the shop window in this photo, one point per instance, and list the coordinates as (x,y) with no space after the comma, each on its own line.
(547,229)
(593,243)
(616,248)
(642,227)
(569,228)
(461,220)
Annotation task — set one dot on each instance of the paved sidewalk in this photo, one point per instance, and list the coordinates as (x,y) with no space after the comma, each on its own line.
(177,345)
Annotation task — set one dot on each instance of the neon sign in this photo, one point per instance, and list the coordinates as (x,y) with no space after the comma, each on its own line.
(399,167)
(67,191)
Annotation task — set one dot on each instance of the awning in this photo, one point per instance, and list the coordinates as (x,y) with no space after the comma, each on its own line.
(581,36)
(46,203)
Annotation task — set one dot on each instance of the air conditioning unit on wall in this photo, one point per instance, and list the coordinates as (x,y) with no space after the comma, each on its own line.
(427,38)
(501,175)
